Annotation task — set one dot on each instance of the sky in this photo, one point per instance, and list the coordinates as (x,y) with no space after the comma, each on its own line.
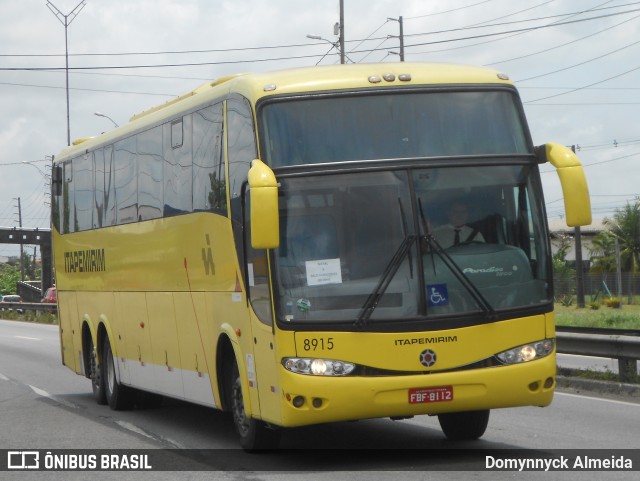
(576,64)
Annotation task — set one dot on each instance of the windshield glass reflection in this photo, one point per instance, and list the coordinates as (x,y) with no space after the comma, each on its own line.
(384,245)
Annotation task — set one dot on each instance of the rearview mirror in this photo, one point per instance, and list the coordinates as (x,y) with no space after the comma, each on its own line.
(577,204)
(265,227)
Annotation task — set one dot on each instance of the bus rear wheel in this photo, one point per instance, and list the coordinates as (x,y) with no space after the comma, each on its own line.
(118,396)
(95,374)
(254,434)
(464,426)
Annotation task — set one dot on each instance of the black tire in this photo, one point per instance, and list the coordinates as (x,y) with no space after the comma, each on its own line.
(95,374)
(254,434)
(118,396)
(464,426)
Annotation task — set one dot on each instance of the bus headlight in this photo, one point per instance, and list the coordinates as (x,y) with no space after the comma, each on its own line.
(527,352)
(318,367)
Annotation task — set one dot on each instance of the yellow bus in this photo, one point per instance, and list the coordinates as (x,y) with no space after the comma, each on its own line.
(273,245)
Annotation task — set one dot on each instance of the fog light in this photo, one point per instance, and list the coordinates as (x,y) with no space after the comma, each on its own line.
(548,383)
(298,401)
(317,402)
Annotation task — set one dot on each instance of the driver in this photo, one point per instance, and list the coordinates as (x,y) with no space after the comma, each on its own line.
(457,231)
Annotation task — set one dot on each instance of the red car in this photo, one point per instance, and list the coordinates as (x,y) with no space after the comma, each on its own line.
(50,297)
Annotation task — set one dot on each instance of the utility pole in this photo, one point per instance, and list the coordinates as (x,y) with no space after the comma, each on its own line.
(401,37)
(66,21)
(618,272)
(579,267)
(341,31)
(21,245)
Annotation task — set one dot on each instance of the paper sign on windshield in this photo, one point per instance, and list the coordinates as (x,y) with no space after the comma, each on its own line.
(325,271)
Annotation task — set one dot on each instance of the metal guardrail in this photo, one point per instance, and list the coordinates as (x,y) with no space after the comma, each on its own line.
(28,306)
(625,349)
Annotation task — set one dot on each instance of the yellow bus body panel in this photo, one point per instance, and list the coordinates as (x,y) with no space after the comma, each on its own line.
(153,288)
(351,397)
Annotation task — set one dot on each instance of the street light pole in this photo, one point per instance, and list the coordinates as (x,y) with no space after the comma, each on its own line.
(66,21)
(100,114)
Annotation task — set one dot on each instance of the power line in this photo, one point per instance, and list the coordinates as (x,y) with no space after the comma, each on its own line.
(561,45)
(584,87)
(315,44)
(512,13)
(448,11)
(521,32)
(593,59)
(86,89)
(526,29)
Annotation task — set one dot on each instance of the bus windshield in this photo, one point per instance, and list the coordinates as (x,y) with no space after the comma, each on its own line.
(391,125)
(385,243)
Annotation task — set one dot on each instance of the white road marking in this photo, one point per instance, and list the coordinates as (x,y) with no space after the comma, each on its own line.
(43,393)
(138,430)
(624,403)
(28,338)
(133,428)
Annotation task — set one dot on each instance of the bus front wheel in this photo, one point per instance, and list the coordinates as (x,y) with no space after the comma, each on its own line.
(465,425)
(118,396)
(254,434)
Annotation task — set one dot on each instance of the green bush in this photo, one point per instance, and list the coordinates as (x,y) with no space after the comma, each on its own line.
(612,302)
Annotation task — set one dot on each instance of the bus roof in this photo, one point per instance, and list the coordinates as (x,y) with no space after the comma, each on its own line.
(298,80)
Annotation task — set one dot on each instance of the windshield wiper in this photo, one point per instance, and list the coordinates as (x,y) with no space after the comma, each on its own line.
(387,276)
(389,272)
(435,247)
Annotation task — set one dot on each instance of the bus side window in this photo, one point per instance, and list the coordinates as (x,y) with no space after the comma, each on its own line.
(68,203)
(150,179)
(176,138)
(241,148)
(209,178)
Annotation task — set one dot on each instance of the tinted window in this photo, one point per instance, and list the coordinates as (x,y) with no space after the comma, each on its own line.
(209,192)
(397,125)
(126,181)
(177,167)
(150,163)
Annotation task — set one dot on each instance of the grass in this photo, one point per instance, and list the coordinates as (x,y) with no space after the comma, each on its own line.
(30,316)
(625,317)
(607,375)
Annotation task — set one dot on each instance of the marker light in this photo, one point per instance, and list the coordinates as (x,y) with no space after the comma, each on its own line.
(527,352)
(318,367)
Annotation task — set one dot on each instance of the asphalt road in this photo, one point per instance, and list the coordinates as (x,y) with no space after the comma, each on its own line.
(43,405)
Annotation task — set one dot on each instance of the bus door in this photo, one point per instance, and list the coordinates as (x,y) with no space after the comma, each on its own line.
(264,363)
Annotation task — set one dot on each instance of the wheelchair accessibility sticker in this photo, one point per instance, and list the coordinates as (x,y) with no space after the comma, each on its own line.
(437,295)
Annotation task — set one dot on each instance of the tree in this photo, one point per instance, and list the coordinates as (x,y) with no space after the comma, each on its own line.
(603,252)
(625,225)
(9,277)
(564,278)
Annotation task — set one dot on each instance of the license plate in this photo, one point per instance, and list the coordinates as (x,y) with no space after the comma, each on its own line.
(423,395)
